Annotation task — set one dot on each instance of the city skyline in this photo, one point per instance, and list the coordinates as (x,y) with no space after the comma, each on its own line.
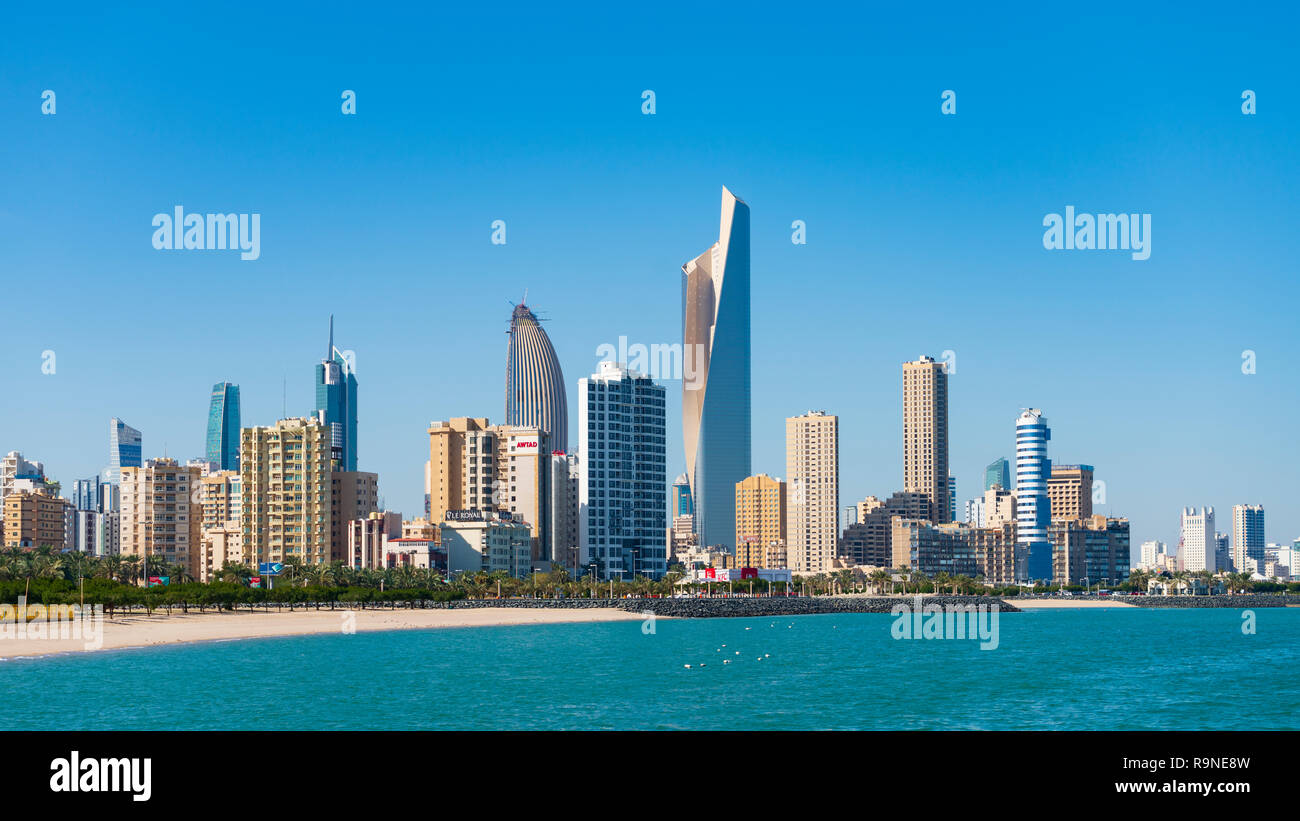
(895,196)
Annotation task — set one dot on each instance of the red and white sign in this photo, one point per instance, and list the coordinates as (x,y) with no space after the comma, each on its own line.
(526,444)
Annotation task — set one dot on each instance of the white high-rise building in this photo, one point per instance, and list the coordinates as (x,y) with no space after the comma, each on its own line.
(1247,536)
(1033,505)
(1197,543)
(622,475)
(812,459)
(1150,552)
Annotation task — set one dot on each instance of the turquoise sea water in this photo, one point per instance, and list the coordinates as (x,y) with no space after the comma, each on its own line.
(1076,669)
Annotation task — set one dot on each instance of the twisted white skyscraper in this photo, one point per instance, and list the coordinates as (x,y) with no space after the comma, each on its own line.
(715,377)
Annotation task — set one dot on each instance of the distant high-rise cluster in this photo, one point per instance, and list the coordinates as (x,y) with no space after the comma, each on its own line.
(516,497)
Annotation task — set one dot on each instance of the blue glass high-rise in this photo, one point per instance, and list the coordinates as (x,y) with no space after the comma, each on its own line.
(998,473)
(124,448)
(336,402)
(223,426)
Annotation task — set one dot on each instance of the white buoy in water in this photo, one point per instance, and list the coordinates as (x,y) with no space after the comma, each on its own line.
(687,666)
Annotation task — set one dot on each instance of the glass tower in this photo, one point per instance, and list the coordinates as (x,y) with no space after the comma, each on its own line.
(336,404)
(124,449)
(223,426)
(998,473)
(716,374)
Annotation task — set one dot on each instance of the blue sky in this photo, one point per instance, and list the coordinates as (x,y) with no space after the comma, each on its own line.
(924,231)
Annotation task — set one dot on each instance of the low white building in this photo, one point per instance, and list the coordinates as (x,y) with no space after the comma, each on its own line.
(474,541)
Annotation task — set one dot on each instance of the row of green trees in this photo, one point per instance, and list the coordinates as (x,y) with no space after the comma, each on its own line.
(53,577)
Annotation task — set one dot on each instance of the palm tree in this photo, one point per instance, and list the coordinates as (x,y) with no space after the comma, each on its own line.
(940,580)
(881,577)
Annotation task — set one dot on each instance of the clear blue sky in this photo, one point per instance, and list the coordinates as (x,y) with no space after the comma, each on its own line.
(924,230)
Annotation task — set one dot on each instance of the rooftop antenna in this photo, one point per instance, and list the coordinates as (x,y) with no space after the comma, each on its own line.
(329,352)
(284,384)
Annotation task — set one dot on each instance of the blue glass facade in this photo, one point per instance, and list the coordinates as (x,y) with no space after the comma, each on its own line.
(998,473)
(223,426)
(336,401)
(124,448)
(716,402)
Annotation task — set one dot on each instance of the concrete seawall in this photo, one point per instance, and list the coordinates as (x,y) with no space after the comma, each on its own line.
(1234,601)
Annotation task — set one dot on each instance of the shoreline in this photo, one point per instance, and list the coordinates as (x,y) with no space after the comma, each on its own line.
(159,630)
(1066,604)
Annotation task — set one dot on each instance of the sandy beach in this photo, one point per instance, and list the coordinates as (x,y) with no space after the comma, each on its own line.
(161,629)
(1051,604)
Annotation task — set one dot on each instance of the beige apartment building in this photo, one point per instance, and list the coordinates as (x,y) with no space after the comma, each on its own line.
(160,515)
(474,465)
(286,492)
(222,544)
(925,433)
(35,519)
(999,507)
(354,495)
(812,459)
(222,537)
(220,498)
(760,522)
(1069,489)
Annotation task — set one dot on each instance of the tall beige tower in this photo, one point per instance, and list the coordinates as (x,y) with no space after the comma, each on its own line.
(812,459)
(285,488)
(925,433)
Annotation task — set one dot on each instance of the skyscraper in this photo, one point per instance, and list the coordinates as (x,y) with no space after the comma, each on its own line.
(812,463)
(535,394)
(1197,546)
(336,398)
(681,498)
(998,473)
(286,498)
(925,433)
(716,374)
(223,426)
(623,479)
(1247,537)
(1033,505)
(124,448)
